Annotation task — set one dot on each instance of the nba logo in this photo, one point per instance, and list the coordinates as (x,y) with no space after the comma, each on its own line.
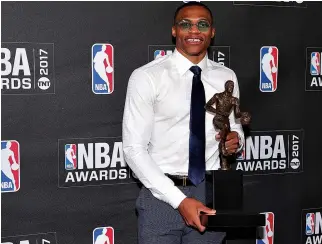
(10,166)
(70,157)
(102,68)
(309,226)
(103,235)
(241,155)
(268,69)
(315,66)
(267,235)
(159,53)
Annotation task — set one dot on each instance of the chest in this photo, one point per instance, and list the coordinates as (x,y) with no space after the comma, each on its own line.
(173,98)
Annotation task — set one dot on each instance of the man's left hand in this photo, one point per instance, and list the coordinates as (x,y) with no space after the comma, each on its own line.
(232,142)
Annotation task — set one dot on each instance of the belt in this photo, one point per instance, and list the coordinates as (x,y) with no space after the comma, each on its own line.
(180,180)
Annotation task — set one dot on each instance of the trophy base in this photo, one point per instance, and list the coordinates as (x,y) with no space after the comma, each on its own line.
(224,193)
(233,220)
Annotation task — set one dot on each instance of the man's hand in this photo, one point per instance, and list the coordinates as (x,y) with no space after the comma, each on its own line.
(190,209)
(231,143)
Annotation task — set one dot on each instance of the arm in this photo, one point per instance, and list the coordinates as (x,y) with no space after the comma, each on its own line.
(237,112)
(13,158)
(211,102)
(273,62)
(138,119)
(73,153)
(107,60)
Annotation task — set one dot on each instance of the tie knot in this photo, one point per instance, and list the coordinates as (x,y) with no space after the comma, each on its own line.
(196,70)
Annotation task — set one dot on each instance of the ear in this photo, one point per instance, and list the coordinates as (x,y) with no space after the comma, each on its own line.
(213,31)
(173,31)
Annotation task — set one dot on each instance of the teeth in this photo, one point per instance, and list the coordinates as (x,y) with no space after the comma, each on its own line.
(194,40)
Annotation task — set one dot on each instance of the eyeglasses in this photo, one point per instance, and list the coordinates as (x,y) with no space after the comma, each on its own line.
(202,25)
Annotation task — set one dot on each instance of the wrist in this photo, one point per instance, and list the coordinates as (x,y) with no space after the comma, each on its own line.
(181,203)
(240,143)
(175,196)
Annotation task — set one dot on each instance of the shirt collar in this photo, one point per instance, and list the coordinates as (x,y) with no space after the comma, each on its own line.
(183,64)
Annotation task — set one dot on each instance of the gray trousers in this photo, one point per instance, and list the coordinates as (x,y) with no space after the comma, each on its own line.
(159,223)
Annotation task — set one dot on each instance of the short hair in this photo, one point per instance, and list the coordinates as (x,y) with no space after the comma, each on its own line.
(189,4)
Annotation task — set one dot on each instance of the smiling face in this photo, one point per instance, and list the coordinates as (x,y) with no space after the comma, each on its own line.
(193,43)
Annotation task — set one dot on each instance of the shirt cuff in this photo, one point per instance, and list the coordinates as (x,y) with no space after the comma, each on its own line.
(175,197)
(240,143)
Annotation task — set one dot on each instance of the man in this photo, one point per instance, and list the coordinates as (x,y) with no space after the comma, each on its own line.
(162,142)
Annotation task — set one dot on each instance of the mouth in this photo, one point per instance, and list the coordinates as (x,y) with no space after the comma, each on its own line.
(193,40)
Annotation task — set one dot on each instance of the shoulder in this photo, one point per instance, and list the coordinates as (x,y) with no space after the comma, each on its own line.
(153,69)
(235,100)
(215,69)
(146,79)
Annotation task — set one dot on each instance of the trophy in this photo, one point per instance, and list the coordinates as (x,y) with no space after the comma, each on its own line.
(224,187)
(225,103)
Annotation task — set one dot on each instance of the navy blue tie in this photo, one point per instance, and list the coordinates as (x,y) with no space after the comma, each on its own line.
(197,139)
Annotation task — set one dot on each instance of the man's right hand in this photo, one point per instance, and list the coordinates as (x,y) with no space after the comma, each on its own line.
(190,209)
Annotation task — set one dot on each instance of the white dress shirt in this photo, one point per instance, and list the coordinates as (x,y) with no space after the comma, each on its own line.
(156,121)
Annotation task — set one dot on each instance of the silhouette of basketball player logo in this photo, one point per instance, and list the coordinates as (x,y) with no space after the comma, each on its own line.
(102,69)
(10,166)
(268,69)
(103,235)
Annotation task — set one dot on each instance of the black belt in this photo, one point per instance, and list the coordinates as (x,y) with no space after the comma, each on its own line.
(180,180)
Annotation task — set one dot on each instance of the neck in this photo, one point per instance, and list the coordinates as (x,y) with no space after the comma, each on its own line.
(195,59)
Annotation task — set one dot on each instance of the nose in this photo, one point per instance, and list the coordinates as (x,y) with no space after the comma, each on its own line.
(194,28)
